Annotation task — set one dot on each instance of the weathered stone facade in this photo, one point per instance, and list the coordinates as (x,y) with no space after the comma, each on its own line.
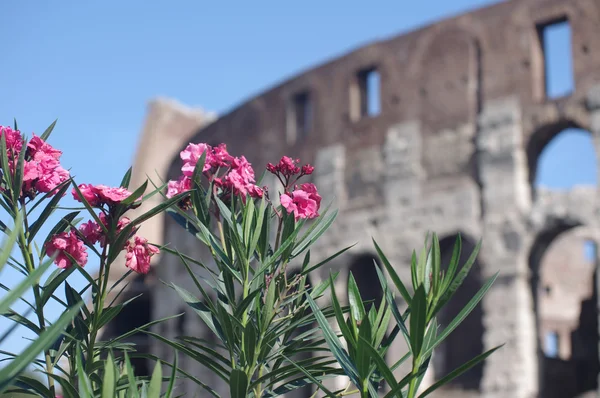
(463,118)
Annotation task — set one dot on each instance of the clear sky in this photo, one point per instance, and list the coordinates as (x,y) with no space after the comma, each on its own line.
(94,66)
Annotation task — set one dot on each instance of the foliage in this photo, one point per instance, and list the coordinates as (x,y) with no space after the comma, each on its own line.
(254,296)
(33,183)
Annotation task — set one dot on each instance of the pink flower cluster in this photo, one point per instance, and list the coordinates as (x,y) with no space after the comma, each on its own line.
(67,243)
(288,167)
(93,233)
(238,178)
(42,171)
(139,254)
(100,195)
(304,200)
(138,251)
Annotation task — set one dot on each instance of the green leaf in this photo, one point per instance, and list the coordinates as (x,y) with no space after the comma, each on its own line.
(9,241)
(249,342)
(357,308)
(462,314)
(155,381)
(43,341)
(312,378)
(238,384)
(363,363)
(346,332)
(135,195)
(126,179)
(159,208)
(18,290)
(333,342)
(459,279)
(437,263)
(108,380)
(19,170)
(459,371)
(133,391)
(46,134)
(395,278)
(171,385)
(421,264)
(381,366)
(418,314)
(201,309)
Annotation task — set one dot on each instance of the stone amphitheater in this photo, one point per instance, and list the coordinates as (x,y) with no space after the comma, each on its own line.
(462,114)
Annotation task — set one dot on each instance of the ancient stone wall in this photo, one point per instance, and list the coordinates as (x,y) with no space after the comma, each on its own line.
(453,149)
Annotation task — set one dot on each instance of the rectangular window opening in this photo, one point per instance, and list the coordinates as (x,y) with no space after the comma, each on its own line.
(556,44)
(589,251)
(551,344)
(365,94)
(300,114)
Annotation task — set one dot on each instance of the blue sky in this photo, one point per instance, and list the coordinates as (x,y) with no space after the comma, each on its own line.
(94,66)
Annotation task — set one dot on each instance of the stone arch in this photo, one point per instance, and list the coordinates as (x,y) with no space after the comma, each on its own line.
(543,133)
(466,341)
(573,372)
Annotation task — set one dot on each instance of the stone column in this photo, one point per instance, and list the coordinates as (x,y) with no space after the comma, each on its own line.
(593,105)
(509,319)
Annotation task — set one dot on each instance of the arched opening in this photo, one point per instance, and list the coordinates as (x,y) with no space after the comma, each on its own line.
(561,156)
(466,341)
(563,269)
(135,314)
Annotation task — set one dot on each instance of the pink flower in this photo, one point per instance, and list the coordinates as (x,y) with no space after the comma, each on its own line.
(13,139)
(30,172)
(183,184)
(311,189)
(67,243)
(39,149)
(244,168)
(221,158)
(101,194)
(255,191)
(88,192)
(307,169)
(91,231)
(139,254)
(287,166)
(301,204)
(190,156)
(111,196)
(51,174)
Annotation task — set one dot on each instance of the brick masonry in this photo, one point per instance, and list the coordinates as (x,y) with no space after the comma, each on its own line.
(463,118)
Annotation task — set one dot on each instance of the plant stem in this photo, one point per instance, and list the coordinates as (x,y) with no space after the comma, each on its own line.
(39,308)
(278,236)
(413,386)
(98,307)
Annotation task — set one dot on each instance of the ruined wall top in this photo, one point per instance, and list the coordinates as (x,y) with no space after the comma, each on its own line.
(439,75)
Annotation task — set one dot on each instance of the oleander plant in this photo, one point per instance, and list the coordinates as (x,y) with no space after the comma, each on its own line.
(263,316)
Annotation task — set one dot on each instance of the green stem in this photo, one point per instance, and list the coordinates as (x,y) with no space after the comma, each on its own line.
(39,308)
(98,307)
(278,236)
(413,385)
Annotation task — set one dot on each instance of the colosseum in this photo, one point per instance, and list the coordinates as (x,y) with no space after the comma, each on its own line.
(450,143)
